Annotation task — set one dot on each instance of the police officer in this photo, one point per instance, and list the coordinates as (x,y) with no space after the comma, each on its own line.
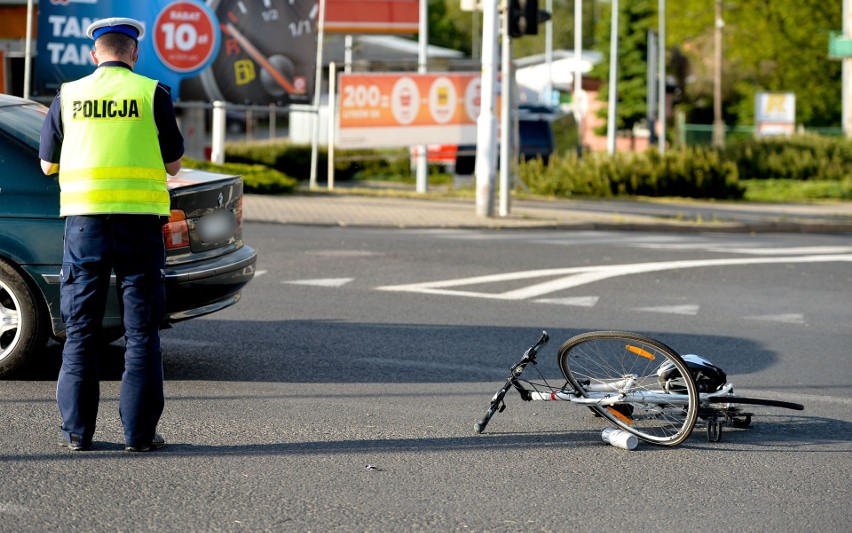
(112,136)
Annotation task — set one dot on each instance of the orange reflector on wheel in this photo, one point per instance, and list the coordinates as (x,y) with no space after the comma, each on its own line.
(619,415)
(643,353)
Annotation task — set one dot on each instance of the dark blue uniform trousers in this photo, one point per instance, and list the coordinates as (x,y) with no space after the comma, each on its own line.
(132,246)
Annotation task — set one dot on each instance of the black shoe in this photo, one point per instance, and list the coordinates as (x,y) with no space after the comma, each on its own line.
(156,443)
(76,444)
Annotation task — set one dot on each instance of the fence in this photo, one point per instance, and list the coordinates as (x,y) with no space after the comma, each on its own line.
(702,134)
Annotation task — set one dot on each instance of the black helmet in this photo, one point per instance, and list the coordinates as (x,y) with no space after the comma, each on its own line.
(708,377)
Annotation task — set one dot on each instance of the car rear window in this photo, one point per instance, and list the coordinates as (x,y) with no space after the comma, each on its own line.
(23,123)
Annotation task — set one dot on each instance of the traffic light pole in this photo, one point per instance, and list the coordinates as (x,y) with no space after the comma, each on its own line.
(486,124)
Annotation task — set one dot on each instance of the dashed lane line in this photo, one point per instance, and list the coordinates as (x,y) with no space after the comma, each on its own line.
(327,282)
(689,309)
(786,318)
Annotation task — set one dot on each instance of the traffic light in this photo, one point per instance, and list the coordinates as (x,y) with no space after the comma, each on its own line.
(524,16)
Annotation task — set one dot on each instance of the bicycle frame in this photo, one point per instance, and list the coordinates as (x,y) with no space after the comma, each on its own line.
(597,395)
(632,395)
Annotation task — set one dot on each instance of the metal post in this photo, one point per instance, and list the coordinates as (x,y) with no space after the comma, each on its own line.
(423,40)
(317,92)
(718,121)
(347,54)
(28,51)
(548,52)
(249,122)
(613,81)
(332,107)
(661,80)
(578,74)
(847,72)
(217,152)
(486,123)
(506,145)
(651,100)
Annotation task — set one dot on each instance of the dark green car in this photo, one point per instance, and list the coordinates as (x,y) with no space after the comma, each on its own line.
(207,263)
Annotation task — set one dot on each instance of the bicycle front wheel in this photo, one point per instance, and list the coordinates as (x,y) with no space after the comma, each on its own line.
(622,366)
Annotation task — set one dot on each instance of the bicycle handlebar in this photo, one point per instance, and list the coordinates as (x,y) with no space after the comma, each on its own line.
(533,350)
(517,369)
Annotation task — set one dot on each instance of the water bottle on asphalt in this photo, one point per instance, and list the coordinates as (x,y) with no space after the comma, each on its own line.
(619,438)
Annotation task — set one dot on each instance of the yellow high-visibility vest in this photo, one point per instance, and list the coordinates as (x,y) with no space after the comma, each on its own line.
(110,160)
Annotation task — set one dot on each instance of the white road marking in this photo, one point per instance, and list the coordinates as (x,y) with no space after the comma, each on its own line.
(13,509)
(329,282)
(259,273)
(577,276)
(787,318)
(579,301)
(689,309)
(822,250)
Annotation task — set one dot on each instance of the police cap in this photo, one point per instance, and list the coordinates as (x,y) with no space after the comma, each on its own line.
(130,27)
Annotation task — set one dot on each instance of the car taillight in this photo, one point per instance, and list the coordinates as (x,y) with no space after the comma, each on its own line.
(176,232)
(238,215)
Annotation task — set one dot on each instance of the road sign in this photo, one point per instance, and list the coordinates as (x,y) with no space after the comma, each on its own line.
(775,113)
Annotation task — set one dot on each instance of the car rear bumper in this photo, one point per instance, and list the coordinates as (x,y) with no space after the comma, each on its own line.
(192,289)
(208,289)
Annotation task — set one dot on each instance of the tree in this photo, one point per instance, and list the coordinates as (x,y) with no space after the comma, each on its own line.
(456,29)
(635,18)
(449,26)
(768,45)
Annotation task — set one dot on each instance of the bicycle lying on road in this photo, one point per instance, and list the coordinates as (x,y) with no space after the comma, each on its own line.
(637,383)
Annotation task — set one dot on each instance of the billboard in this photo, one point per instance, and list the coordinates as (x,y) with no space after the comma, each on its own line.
(391,109)
(239,51)
(372,16)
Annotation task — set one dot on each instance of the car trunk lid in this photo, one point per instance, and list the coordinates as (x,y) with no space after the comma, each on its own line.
(206,215)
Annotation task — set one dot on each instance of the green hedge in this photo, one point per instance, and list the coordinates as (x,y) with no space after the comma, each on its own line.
(699,172)
(694,172)
(295,160)
(801,157)
(257,178)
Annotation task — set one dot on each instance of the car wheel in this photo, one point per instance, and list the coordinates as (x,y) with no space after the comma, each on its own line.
(22,326)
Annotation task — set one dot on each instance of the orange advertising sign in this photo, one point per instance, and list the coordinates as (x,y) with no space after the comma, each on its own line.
(372,16)
(392,109)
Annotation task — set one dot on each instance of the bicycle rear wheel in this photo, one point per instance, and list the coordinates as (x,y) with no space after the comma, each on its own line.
(606,361)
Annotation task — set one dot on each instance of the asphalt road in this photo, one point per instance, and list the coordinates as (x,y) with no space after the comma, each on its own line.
(341,393)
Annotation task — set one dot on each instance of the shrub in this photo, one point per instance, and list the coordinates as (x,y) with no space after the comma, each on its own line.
(257,178)
(695,172)
(295,160)
(801,157)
